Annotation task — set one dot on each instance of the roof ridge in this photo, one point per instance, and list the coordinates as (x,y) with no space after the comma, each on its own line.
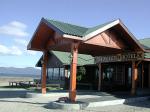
(94,28)
(65,23)
(76,30)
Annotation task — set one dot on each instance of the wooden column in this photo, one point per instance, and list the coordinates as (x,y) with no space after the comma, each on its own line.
(134,78)
(100,77)
(44,70)
(72,91)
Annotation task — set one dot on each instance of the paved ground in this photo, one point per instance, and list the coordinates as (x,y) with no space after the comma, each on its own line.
(11,101)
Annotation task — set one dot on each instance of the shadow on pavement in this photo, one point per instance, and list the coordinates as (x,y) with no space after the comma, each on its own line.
(12,93)
(22,102)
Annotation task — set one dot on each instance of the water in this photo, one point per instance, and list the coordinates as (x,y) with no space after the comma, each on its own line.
(20,75)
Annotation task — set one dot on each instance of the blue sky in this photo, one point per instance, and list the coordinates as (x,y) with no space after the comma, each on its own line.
(19,19)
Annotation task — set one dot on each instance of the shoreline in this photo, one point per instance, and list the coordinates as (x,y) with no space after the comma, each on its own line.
(4,80)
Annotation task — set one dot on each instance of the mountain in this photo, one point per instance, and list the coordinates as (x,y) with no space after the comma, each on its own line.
(12,71)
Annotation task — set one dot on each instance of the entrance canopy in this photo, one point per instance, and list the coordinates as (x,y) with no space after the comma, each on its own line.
(109,38)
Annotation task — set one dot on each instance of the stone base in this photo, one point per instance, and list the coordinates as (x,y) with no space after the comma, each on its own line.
(68,106)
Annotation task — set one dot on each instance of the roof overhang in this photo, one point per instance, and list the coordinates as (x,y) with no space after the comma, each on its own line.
(46,31)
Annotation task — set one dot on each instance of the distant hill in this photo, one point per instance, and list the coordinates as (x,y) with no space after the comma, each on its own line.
(21,72)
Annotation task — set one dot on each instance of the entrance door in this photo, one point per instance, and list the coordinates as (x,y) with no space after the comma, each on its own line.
(107,73)
(113,77)
(116,77)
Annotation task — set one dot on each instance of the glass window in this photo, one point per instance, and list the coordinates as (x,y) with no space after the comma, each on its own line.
(62,73)
(68,73)
(56,74)
(50,73)
(129,75)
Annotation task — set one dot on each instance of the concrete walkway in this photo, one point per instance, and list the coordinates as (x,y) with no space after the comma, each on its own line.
(93,99)
(17,103)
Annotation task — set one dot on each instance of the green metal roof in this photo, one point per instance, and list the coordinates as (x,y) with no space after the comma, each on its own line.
(74,30)
(68,28)
(145,43)
(92,29)
(65,58)
(146,55)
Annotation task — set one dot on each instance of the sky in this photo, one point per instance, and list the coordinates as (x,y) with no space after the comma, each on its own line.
(20,18)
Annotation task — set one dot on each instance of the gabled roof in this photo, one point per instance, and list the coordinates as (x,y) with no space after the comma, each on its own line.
(86,33)
(67,28)
(145,43)
(65,58)
(75,30)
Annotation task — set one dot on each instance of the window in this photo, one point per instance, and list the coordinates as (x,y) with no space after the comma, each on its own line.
(50,73)
(56,74)
(62,73)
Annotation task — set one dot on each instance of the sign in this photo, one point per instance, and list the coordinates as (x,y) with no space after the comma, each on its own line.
(132,56)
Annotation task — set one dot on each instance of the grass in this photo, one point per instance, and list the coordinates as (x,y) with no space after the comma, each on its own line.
(47,88)
(32,88)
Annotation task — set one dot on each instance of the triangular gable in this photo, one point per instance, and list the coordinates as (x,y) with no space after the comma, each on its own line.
(90,36)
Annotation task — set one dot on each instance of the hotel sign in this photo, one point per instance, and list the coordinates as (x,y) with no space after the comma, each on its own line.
(133,56)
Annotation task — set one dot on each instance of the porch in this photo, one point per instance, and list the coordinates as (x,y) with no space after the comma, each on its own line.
(107,39)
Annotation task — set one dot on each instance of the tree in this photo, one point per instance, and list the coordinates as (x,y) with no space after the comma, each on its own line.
(81,73)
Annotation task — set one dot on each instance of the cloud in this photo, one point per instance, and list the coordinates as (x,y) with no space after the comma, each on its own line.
(24,43)
(21,41)
(14,50)
(14,28)
(31,52)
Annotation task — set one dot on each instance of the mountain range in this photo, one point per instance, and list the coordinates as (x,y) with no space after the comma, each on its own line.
(21,72)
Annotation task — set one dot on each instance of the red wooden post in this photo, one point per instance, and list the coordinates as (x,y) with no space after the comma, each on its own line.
(44,71)
(72,91)
(134,78)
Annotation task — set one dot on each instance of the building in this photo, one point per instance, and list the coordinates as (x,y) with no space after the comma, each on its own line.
(113,77)
(58,69)
(110,51)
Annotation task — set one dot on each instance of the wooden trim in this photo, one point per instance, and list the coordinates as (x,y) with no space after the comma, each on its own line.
(131,35)
(147,59)
(52,26)
(100,30)
(72,37)
(137,64)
